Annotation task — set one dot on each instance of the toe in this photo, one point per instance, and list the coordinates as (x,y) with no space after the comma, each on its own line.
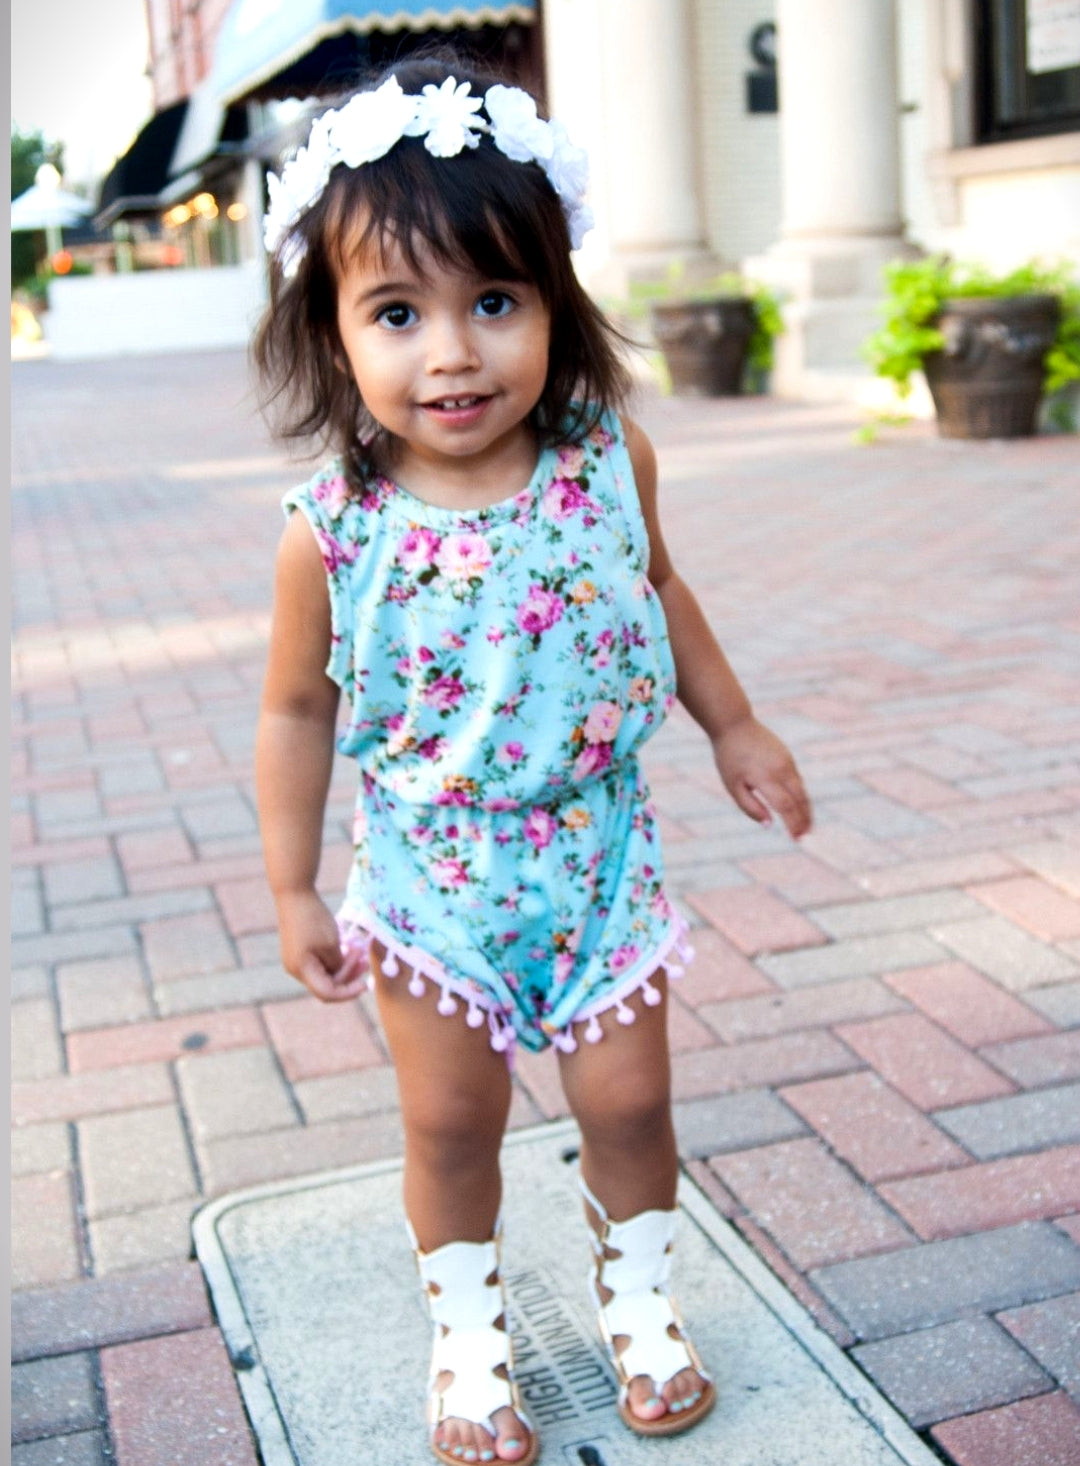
(512,1442)
(645,1403)
(683,1391)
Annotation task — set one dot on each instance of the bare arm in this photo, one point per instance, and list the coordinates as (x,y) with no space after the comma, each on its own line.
(294,753)
(756,767)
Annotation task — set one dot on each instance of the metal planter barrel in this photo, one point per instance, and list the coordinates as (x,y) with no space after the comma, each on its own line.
(704,343)
(986,381)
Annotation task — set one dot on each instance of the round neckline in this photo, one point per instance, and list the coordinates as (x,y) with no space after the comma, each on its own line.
(420,511)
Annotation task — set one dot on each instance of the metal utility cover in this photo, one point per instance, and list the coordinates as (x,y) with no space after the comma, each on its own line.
(317,1295)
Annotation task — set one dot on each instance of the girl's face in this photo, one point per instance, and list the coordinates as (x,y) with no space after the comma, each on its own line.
(449,363)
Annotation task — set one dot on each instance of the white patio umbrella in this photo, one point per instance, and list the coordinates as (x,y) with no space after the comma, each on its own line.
(45,205)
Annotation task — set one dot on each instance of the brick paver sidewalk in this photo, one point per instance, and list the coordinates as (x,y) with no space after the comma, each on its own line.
(877,1056)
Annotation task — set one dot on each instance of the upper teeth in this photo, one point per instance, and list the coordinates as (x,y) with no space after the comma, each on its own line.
(456,401)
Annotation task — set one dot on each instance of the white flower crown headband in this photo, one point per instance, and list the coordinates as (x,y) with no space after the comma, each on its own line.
(371,123)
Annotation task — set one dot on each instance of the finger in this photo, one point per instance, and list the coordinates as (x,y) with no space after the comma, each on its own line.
(321,984)
(751,802)
(791,803)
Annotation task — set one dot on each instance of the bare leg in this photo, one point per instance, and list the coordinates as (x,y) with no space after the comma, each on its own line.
(619,1091)
(455,1097)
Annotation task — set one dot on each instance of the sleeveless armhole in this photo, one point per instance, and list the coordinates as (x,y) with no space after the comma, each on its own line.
(628,491)
(336,539)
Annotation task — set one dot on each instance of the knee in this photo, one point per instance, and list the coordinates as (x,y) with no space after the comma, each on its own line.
(452,1128)
(625,1112)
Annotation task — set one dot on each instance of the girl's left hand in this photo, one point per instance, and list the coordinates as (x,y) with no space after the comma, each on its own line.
(760,775)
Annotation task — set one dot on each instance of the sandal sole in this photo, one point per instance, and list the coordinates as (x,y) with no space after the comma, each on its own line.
(669,1424)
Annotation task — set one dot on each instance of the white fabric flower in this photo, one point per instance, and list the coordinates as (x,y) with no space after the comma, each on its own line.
(445,118)
(302,181)
(369,125)
(515,128)
(372,123)
(567,168)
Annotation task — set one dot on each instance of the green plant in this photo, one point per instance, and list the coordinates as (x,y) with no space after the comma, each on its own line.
(768,319)
(916,291)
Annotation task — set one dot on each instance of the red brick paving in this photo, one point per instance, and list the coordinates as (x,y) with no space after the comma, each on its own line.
(1034,905)
(972,1007)
(872,1127)
(811,1205)
(134,692)
(756,920)
(926,1065)
(719,972)
(313,1039)
(991,1194)
(164,1039)
(173,1401)
(1044,1431)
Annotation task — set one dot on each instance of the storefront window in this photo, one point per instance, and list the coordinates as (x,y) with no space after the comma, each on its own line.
(1028,67)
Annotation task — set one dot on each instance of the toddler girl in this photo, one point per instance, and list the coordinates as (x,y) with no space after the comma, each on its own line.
(481,572)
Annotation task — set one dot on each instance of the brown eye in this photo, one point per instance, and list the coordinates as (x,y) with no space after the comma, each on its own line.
(396,316)
(494,303)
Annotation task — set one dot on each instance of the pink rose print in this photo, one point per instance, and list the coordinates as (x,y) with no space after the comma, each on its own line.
(334,554)
(495,635)
(333,493)
(425,654)
(592,760)
(564,966)
(641,689)
(602,724)
(539,611)
(444,693)
(511,753)
(623,957)
(451,642)
(564,497)
(463,557)
(450,874)
(571,461)
(495,806)
(417,549)
(539,828)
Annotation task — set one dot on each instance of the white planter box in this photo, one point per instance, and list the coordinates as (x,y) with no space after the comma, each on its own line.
(154,311)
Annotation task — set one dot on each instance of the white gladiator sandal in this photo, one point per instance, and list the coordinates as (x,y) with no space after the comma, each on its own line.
(467,1306)
(633,1261)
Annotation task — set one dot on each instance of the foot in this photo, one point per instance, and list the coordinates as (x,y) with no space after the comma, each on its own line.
(680,1393)
(467,1441)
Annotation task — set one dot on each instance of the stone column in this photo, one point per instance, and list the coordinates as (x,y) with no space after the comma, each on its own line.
(622,78)
(840,180)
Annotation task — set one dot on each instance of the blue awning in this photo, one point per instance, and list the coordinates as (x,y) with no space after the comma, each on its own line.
(261,38)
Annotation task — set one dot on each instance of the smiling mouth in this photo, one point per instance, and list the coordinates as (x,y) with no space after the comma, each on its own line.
(455,404)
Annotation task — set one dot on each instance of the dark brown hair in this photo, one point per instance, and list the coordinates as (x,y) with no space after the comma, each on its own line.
(478,211)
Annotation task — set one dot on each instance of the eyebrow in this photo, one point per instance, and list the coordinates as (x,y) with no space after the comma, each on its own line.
(388,289)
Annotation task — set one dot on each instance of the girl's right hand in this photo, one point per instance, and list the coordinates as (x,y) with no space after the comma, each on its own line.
(311,949)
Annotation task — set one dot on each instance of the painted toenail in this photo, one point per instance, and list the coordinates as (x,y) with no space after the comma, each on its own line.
(512,1445)
(675,1406)
(458,1451)
(652,1402)
(487,1455)
(470,1455)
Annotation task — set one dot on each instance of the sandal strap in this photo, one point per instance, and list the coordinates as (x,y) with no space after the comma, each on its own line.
(633,1261)
(464,1308)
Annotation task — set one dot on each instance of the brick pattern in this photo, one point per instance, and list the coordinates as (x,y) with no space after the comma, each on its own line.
(875,1052)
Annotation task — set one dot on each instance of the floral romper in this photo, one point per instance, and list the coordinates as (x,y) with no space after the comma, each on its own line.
(501,667)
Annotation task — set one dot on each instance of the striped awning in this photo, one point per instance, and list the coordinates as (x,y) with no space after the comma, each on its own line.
(259,39)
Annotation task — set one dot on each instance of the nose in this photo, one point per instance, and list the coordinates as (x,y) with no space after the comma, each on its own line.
(451,346)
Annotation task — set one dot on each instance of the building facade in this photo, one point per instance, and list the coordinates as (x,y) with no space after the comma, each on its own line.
(901,126)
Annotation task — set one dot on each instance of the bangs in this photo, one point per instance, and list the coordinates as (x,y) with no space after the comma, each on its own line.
(468,213)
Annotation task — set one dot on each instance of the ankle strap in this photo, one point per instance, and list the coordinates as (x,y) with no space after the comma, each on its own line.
(597,1206)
